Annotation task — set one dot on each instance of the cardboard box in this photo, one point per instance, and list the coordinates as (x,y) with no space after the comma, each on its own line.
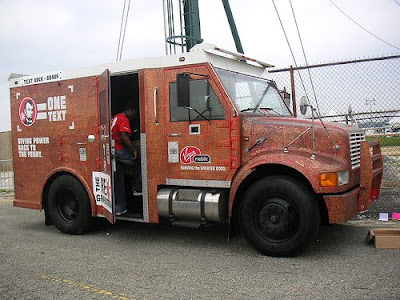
(384,238)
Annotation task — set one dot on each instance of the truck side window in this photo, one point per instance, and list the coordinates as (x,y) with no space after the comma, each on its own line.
(200,91)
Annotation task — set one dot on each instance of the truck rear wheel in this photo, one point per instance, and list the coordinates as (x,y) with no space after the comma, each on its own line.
(279,216)
(69,205)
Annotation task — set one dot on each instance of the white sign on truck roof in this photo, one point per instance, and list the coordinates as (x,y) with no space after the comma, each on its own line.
(202,53)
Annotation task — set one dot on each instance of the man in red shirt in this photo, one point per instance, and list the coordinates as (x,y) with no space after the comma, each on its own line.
(125,153)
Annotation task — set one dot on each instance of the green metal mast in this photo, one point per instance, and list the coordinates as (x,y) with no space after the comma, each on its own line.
(192,23)
(184,33)
(232,24)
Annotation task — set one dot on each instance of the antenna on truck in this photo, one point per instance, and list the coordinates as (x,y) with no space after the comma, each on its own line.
(304,103)
(303,109)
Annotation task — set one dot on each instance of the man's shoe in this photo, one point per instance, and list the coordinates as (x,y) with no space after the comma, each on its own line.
(121,212)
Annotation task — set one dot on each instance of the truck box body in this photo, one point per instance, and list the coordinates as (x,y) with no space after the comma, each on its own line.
(197,163)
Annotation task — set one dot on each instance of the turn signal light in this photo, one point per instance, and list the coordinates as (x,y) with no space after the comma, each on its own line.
(329,179)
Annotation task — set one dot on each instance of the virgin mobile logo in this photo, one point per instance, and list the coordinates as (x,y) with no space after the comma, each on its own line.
(188,153)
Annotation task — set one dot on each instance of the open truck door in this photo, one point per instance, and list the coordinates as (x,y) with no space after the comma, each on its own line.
(102,181)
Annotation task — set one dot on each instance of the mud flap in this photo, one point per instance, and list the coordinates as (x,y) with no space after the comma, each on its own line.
(371,173)
(47,218)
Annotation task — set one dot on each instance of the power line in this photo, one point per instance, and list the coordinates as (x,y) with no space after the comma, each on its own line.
(126,22)
(122,31)
(397,2)
(290,48)
(305,57)
(355,22)
(309,74)
(301,79)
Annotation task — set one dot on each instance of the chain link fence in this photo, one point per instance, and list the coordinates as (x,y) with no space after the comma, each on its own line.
(370,90)
(6,178)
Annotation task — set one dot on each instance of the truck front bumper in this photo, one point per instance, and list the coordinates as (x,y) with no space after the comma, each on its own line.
(343,207)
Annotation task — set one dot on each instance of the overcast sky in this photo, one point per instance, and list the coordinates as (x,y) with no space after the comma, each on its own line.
(46,35)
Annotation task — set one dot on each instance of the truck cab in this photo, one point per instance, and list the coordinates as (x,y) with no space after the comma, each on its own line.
(217,144)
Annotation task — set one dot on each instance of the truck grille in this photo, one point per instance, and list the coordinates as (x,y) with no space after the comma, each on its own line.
(355,148)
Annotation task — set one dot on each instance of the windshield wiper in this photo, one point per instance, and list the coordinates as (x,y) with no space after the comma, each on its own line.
(271,109)
(262,96)
(247,109)
(254,109)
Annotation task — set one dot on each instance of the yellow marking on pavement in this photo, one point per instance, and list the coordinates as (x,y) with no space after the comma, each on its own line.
(85,287)
(5,200)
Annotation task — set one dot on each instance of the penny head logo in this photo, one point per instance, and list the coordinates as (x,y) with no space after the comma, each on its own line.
(27,111)
(188,153)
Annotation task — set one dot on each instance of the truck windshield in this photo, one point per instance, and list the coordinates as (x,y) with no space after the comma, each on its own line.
(252,94)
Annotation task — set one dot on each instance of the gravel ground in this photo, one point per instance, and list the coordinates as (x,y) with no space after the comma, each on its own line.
(143,261)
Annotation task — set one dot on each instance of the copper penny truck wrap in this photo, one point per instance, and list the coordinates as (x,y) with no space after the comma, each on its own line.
(216,141)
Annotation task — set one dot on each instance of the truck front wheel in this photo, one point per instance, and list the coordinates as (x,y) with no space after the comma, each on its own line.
(279,216)
(69,205)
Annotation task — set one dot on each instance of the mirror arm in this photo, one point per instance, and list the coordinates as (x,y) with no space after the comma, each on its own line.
(188,110)
(195,74)
(200,114)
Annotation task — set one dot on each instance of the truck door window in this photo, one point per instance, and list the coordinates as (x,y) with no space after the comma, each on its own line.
(103,109)
(201,95)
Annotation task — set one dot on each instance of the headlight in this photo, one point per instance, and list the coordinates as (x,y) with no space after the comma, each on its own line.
(343,178)
(334,179)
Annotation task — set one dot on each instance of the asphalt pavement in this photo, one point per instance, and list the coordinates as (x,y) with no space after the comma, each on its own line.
(144,261)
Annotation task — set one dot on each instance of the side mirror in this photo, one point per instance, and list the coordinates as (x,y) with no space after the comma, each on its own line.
(303,105)
(183,90)
(208,102)
(285,96)
(350,110)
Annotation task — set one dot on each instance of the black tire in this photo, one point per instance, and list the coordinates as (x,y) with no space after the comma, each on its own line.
(69,205)
(279,216)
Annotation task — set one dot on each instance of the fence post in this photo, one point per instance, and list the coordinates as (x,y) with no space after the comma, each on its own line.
(293,92)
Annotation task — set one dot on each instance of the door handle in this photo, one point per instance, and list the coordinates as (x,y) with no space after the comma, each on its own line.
(91,138)
(155,105)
